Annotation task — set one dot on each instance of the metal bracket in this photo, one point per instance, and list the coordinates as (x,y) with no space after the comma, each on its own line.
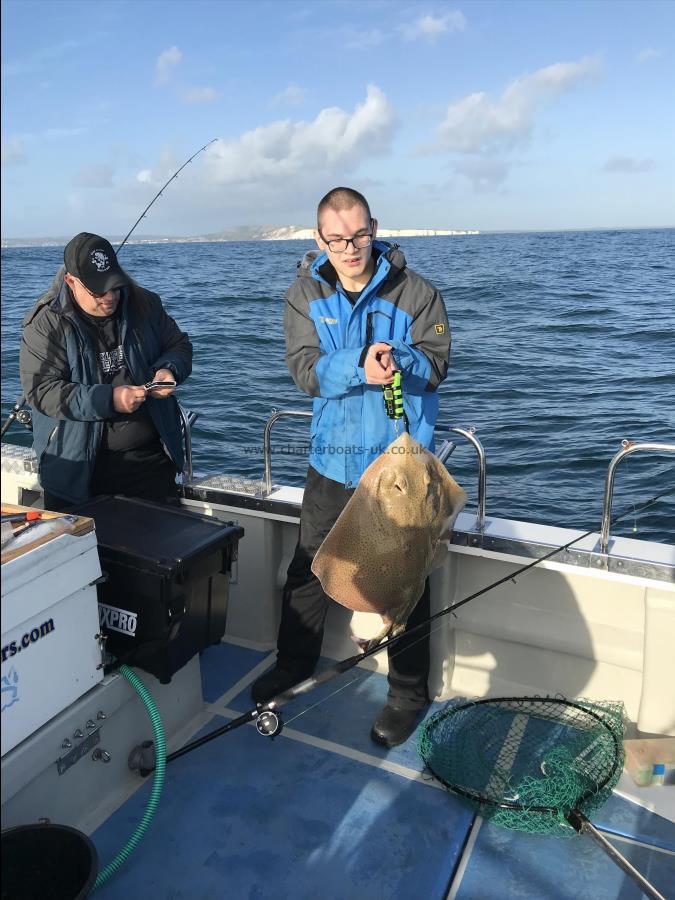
(63,763)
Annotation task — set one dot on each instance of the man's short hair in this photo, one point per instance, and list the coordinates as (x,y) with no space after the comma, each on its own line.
(341,198)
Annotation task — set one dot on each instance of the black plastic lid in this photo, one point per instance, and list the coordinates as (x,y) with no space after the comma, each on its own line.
(155,536)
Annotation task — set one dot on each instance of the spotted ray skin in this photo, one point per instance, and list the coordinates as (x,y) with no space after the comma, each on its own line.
(390,535)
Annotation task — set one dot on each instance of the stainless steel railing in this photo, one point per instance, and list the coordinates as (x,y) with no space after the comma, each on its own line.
(187,420)
(445,450)
(267,441)
(628,447)
(470,435)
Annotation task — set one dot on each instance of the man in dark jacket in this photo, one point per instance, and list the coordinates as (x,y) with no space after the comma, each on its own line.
(89,346)
(356,314)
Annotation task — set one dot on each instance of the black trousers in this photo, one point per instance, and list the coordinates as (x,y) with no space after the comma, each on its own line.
(305,604)
(155,482)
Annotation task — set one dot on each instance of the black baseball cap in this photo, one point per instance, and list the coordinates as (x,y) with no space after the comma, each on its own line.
(92,259)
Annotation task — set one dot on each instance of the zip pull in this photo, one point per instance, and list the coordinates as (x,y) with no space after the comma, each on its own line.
(369,329)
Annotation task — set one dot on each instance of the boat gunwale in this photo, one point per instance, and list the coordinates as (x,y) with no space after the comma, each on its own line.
(510,537)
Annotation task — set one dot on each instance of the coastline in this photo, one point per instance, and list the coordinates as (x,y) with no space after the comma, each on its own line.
(285,233)
(290,233)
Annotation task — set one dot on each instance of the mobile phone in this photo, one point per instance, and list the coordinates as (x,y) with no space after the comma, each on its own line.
(152,385)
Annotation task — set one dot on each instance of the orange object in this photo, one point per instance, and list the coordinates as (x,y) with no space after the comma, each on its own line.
(31,515)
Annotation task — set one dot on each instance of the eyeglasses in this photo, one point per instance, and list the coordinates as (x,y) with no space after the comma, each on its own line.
(92,294)
(339,245)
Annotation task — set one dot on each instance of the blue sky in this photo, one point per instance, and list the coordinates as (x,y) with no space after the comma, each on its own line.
(490,115)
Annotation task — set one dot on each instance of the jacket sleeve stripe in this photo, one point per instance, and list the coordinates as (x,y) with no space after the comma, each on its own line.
(430,334)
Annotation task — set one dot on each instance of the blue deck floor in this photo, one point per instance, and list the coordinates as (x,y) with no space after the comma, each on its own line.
(313,814)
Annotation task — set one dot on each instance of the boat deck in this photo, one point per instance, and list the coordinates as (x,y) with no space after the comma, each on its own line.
(321,811)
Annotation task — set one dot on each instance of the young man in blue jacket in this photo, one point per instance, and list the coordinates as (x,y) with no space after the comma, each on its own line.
(355,314)
(88,348)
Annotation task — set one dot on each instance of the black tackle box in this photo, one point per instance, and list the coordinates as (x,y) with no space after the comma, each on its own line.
(158,605)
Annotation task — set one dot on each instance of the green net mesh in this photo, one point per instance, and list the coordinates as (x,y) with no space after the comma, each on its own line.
(527,762)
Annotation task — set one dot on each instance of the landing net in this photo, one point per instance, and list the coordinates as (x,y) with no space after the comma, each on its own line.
(527,762)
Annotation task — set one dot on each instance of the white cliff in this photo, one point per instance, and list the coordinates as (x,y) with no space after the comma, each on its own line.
(243,233)
(298,233)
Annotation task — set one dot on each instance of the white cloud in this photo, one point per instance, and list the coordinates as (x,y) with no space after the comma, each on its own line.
(427,28)
(293,95)
(13,151)
(478,124)
(431,27)
(165,167)
(647,54)
(166,62)
(95,175)
(484,174)
(628,165)
(200,95)
(335,142)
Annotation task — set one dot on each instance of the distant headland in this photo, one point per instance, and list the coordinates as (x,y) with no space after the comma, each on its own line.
(243,233)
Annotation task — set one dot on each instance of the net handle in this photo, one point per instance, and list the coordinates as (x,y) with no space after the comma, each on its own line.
(582,825)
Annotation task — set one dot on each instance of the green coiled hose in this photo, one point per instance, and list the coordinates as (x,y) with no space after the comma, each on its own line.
(157,783)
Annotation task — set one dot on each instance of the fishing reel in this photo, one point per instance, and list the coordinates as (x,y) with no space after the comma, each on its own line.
(268,723)
(18,414)
(24,417)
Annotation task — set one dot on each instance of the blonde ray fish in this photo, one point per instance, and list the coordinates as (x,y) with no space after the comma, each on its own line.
(393,531)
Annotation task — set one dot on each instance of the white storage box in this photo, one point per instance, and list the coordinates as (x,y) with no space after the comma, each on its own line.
(50,650)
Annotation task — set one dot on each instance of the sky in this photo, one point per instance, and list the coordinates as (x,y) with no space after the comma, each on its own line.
(485,114)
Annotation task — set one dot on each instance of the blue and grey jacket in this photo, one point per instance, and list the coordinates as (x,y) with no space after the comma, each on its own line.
(62,381)
(326,344)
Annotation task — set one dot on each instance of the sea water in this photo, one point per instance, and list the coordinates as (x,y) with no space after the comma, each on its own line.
(563,344)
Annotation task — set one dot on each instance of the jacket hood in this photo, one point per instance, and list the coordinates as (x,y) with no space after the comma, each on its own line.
(305,263)
(48,297)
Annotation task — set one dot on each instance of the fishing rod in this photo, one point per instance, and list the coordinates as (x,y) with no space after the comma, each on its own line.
(161,190)
(268,721)
(22,399)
